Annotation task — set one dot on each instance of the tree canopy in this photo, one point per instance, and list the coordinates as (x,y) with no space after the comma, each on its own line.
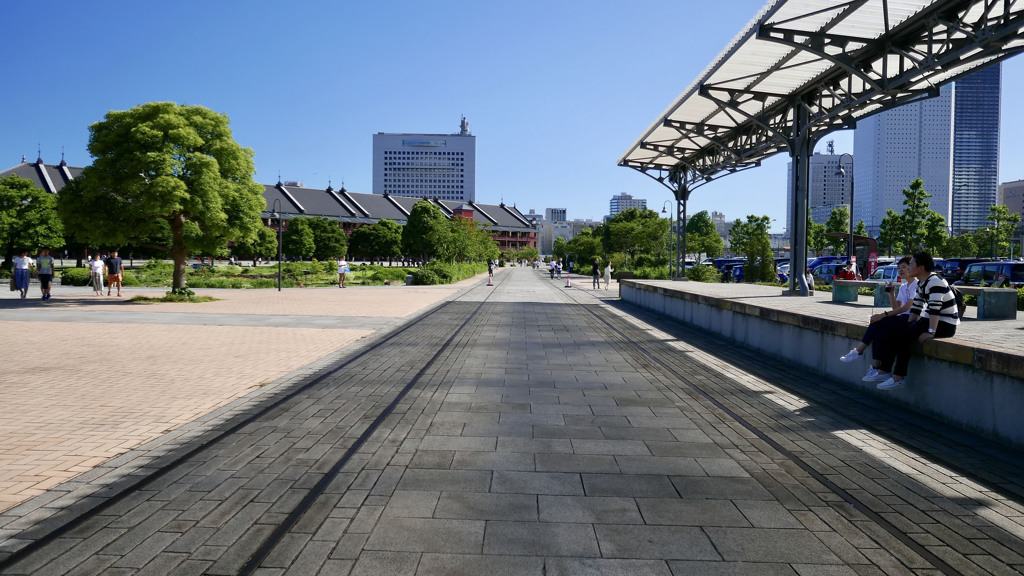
(28,217)
(297,240)
(635,232)
(382,239)
(426,232)
(162,165)
(702,236)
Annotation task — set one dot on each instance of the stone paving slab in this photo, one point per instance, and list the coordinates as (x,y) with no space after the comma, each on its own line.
(715,498)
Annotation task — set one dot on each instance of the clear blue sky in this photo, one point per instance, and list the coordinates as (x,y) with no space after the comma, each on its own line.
(554,91)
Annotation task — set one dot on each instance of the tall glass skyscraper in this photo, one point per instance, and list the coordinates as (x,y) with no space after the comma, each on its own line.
(975,148)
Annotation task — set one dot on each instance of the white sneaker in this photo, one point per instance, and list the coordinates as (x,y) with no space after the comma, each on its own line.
(877,376)
(851,356)
(892,384)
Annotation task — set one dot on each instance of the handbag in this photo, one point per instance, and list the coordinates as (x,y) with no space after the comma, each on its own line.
(14,284)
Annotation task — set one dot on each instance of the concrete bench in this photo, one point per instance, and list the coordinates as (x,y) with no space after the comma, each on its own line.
(846,291)
(993,303)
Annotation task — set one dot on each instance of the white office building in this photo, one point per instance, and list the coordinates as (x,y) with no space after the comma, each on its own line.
(439,166)
(623,202)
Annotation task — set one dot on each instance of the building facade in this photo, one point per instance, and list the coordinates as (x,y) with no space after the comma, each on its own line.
(441,166)
(826,190)
(975,148)
(623,202)
(1011,195)
(555,214)
(951,142)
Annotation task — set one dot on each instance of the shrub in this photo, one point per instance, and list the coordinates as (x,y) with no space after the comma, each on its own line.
(74,277)
(129,279)
(651,272)
(702,273)
(425,277)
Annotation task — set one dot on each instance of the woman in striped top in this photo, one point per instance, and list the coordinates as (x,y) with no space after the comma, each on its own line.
(933,315)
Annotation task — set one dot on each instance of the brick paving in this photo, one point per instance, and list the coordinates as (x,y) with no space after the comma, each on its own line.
(562,434)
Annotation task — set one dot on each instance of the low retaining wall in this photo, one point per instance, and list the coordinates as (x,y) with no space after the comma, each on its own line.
(967,384)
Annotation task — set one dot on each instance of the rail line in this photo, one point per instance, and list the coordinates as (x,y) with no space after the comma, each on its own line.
(851,500)
(267,546)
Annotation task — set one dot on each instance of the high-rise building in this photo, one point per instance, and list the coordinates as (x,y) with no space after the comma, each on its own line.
(555,214)
(826,190)
(951,142)
(439,166)
(1011,195)
(975,148)
(624,202)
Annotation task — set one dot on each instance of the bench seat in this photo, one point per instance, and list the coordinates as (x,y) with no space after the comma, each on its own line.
(993,303)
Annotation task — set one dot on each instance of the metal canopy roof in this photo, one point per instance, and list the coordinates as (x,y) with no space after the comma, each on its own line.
(840,60)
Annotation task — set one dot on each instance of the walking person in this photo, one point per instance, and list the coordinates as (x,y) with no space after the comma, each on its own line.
(23,266)
(608,274)
(933,315)
(342,271)
(44,264)
(115,272)
(901,298)
(96,268)
(595,272)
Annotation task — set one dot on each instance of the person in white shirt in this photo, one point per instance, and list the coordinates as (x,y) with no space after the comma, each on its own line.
(23,266)
(900,300)
(342,272)
(96,268)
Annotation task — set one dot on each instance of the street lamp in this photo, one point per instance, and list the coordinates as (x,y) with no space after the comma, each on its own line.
(840,171)
(672,267)
(277,214)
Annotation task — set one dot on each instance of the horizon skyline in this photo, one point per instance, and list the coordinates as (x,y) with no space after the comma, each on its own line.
(553,93)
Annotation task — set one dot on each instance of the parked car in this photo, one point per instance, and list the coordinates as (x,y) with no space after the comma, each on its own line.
(812,263)
(826,273)
(890,273)
(998,274)
(953,268)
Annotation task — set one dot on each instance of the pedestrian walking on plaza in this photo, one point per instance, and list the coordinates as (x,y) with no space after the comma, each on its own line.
(551,269)
(933,314)
(342,272)
(44,264)
(115,272)
(595,272)
(96,268)
(23,266)
(901,298)
(608,274)
(558,269)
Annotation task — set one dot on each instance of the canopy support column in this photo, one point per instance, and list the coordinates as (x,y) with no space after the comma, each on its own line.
(801,148)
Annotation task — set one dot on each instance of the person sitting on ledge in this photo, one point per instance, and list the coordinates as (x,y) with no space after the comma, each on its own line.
(901,298)
(933,315)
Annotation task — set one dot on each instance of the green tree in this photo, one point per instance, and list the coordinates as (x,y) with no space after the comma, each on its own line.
(426,233)
(297,240)
(1004,224)
(915,215)
(263,244)
(529,254)
(702,236)
(890,233)
(161,163)
(583,248)
(838,221)
(935,235)
(751,239)
(815,234)
(962,245)
(382,239)
(28,217)
(635,232)
(860,229)
(329,240)
(558,248)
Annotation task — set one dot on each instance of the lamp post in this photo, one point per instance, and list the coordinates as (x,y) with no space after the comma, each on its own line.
(673,264)
(840,171)
(277,214)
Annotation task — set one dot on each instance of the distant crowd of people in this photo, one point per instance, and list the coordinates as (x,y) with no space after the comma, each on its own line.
(101,267)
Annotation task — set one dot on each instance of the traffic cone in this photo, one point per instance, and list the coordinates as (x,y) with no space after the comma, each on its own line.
(490,280)
(567,283)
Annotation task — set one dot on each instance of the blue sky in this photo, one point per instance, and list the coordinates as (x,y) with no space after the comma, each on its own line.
(554,91)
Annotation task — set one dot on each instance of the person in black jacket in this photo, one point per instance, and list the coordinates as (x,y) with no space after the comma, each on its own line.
(595,273)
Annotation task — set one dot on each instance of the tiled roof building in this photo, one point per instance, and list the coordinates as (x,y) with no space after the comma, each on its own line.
(511,229)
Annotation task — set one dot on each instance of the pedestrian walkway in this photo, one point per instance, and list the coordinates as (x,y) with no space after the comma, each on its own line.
(529,428)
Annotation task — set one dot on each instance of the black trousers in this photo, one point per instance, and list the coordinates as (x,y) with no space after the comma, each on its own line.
(898,343)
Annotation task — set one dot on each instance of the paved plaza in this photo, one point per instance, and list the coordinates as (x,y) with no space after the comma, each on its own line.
(524,428)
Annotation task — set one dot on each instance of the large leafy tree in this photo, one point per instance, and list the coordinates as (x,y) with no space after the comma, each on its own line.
(329,240)
(558,248)
(962,245)
(28,217)
(583,248)
(427,232)
(935,235)
(915,214)
(751,239)
(163,164)
(264,244)
(1003,225)
(838,221)
(890,233)
(382,239)
(635,232)
(298,240)
(815,234)
(702,236)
